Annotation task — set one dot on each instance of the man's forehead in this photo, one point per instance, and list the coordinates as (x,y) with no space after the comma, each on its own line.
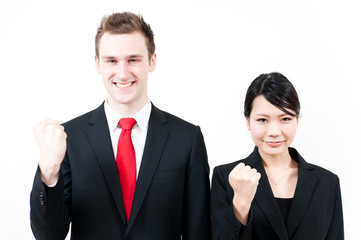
(124,44)
(123,36)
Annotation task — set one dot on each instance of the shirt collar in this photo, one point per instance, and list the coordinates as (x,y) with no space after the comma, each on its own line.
(142,116)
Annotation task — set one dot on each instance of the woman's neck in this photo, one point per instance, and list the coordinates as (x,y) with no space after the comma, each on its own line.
(282,173)
(283,160)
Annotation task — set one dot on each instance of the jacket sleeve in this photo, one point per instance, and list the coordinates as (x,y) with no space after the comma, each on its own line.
(336,230)
(50,206)
(225,225)
(196,220)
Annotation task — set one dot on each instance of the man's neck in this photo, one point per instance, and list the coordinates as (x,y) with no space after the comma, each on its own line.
(127,110)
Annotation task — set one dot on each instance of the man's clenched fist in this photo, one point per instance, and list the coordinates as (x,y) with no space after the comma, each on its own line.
(51,140)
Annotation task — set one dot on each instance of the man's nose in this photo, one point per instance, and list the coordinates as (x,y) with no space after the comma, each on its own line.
(122,71)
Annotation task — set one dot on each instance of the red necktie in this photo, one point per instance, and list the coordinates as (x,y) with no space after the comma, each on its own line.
(126,163)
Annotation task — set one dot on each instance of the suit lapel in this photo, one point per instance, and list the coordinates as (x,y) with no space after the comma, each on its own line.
(304,189)
(265,199)
(99,136)
(156,140)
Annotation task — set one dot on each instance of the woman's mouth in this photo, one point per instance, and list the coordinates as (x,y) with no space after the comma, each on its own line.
(275,143)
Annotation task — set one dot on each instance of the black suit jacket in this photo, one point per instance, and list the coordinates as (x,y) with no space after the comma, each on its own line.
(316,210)
(171,199)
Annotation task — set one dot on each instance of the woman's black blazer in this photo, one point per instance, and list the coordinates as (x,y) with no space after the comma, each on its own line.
(315,213)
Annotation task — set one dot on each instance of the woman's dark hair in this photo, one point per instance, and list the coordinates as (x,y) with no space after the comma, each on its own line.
(277,89)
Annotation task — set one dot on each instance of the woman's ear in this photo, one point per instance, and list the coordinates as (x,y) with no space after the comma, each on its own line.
(248,123)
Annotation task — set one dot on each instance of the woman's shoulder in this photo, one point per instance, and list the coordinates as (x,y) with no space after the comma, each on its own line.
(319,172)
(322,173)
(227,167)
(252,159)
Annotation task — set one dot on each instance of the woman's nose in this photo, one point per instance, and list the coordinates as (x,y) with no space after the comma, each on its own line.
(274,129)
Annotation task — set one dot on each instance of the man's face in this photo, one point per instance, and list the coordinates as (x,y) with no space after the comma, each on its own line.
(124,65)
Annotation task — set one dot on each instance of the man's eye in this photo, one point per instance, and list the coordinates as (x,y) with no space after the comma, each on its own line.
(111,61)
(133,60)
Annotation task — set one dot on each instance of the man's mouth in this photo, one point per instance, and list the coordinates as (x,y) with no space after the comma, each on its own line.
(124,85)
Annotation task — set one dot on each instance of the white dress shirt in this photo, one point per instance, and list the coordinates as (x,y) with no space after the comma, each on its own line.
(139,131)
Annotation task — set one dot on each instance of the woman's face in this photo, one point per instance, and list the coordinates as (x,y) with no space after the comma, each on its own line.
(272,129)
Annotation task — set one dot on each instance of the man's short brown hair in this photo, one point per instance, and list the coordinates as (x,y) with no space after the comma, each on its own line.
(125,22)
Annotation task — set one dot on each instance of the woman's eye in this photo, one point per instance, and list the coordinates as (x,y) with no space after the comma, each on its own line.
(286,119)
(261,120)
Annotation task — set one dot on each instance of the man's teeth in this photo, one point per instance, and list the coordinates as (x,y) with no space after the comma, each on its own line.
(124,85)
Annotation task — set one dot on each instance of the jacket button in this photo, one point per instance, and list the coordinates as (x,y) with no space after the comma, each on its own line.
(42,198)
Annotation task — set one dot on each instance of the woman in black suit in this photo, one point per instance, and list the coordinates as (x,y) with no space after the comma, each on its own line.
(274,193)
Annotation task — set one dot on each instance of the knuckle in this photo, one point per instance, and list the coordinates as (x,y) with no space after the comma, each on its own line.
(240,166)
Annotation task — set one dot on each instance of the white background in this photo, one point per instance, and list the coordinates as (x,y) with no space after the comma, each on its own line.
(208,52)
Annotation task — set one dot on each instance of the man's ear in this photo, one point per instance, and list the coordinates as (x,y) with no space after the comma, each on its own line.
(152,62)
(97,67)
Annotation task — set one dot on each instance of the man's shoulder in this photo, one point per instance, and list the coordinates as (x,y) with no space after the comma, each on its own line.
(170,119)
(85,118)
(179,128)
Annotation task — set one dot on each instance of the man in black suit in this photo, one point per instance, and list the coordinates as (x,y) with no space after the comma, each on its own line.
(78,181)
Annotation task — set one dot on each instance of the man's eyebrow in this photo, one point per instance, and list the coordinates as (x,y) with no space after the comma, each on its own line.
(108,57)
(135,56)
(128,56)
